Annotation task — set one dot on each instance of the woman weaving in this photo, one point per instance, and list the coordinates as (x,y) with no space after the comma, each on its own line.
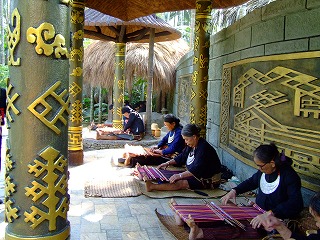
(169,146)
(201,160)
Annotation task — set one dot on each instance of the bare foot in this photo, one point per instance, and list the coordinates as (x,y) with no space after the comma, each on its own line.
(195,231)
(149,186)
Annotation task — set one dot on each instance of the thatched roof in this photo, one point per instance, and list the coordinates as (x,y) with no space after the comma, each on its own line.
(128,10)
(100,26)
(99,59)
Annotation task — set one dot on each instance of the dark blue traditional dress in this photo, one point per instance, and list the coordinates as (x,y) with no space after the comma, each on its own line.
(134,123)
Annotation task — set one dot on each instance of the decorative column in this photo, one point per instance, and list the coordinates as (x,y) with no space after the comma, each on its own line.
(118,85)
(198,108)
(36,177)
(75,145)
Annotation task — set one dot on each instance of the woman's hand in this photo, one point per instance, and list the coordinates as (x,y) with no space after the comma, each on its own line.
(157,151)
(267,220)
(230,195)
(163,165)
(175,177)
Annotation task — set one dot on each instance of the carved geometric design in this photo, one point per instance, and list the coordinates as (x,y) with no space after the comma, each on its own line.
(74,89)
(195,60)
(10,104)
(76,112)
(184,97)
(117,124)
(47,42)
(121,83)
(49,189)
(192,115)
(10,186)
(14,37)
(10,211)
(196,43)
(203,94)
(75,138)
(203,116)
(193,94)
(76,52)
(77,72)
(279,104)
(10,163)
(46,113)
(121,64)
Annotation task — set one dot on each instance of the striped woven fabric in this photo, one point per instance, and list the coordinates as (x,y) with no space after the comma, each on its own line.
(203,213)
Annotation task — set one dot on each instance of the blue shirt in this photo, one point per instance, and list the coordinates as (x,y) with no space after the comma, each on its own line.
(173,140)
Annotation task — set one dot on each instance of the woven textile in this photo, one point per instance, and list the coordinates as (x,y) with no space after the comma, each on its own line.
(113,188)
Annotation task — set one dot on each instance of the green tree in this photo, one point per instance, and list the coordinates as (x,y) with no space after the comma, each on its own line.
(4,74)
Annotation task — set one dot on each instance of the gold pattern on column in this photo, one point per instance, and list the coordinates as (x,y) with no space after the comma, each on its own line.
(75,138)
(76,52)
(14,37)
(77,72)
(10,163)
(76,112)
(74,89)
(76,16)
(10,104)
(10,186)
(48,189)
(47,42)
(78,35)
(41,108)
(11,212)
(203,61)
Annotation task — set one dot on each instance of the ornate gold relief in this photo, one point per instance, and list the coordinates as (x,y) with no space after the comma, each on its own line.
(77,16)
(121,83)
(274,99)
(10,211)
(203,115)
(117,124)
(195,60)
(203,61)
(76,52)
(42,109)
(121,64)
(196,43)
(49,189)
(78,35)
(76,112)
(47,41)
(10,163)
(14,37)
(75,138)
(74,89)
(77,72)
(194,77)
(10,104)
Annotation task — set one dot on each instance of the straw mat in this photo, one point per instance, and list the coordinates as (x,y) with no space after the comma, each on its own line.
(125,186)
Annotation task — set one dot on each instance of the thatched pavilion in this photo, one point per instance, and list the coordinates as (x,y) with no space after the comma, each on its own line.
(99,67)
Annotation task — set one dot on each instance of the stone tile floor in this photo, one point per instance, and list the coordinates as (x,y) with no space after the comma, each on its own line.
(106,218)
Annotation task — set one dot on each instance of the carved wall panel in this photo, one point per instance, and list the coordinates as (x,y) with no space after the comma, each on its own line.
(184,99)
(274,99)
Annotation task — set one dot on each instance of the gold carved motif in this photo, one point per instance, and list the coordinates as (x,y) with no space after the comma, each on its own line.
(121,64)
(121,83)
(77,72)
(76,112)
(192,115)
(10,104)
(76,52)
(47,42)
(195,60)
(10,211)
(203,115)
(42,109)
(48,190)
(74,89)
(75,138)
(203,94)
(76,16)
(117,124)
(78,35)
(10,163)
(14,37)
(203,61)
(10,186)
(196,43)
(193,94)
(194,77)
(276,102)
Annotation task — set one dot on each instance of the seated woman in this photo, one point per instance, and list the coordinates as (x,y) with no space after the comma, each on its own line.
(279,189)
(202,164)
(169,146)
(270,222)
(134,123)
(279,186)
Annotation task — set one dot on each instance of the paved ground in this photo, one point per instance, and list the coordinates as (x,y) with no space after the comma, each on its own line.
(106,218)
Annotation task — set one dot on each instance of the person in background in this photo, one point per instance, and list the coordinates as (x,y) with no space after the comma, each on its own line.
(279,186)
(135,124)
(203,167)
(270,222)
(169,146)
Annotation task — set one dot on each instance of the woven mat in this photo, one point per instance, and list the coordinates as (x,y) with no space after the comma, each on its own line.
(214,193)
(169,222)
(125,186)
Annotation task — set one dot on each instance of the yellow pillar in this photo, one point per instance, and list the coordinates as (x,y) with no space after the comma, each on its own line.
(198,108)
(75,145)
(36,177)
(118,85)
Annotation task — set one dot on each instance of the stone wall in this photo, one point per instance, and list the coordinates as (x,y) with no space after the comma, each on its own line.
(283,29)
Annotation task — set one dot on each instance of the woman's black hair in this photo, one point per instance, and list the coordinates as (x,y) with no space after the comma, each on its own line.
(268,152)
(126,109)
(315,203)
(191,129)
(170,118)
